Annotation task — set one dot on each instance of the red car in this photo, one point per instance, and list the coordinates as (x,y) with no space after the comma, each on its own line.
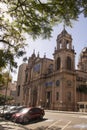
(28,114)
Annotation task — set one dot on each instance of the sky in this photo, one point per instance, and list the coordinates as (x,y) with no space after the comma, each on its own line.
(79,36)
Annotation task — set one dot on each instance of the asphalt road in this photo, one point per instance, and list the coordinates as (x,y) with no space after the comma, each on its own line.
(60,121)
(53,120)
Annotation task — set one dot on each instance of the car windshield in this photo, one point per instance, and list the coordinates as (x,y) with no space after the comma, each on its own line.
(24,110)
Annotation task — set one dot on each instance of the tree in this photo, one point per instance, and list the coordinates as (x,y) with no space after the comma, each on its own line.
(11,41)
(2,99)
(4,78)
(35,17)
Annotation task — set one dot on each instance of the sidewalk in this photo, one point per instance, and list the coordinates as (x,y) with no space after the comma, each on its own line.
(68,112)
(7,125)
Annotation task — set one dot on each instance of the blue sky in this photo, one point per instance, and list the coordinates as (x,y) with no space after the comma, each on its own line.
(79,36)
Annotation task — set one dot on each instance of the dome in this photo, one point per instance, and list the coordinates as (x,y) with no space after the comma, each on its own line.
(84,50)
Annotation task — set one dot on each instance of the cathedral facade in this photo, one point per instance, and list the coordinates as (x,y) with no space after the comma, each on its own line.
(55,83)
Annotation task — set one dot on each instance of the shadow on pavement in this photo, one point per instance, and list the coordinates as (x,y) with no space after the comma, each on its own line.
(35,121)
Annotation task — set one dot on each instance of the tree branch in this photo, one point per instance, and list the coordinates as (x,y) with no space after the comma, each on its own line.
(6,42)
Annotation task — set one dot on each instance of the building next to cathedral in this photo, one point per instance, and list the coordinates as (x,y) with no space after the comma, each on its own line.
(55,83)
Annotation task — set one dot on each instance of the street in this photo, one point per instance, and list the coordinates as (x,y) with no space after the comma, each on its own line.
(60,121)
(53,120)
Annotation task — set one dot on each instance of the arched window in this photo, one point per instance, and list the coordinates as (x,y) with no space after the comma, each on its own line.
(69,96)
(57,96)
(58,63)
(18,94)
(26,77)
(67,44)
(50,68)
(60,45)
(69,63)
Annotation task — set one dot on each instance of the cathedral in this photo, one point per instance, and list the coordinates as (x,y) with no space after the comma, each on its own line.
(55,83)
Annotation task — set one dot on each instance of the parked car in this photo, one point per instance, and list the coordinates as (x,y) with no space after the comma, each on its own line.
(28,114)
(9,114)
(5,109)
(1,107)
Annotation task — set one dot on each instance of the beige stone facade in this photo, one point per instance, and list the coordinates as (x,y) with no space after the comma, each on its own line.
(55,83)
(20,82)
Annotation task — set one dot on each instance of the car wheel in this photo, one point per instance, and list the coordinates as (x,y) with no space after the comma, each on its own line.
(41,117)
(25,120)
(13,119)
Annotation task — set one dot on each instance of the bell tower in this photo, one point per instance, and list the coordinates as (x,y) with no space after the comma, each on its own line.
(64,54)
(82,65)
(64,69)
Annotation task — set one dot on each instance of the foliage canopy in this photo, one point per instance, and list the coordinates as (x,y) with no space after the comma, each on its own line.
(5,77)
(35,17)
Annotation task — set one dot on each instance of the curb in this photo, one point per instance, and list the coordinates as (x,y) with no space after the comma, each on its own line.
(68,112)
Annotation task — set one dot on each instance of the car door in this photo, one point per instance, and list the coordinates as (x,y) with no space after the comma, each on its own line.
(31,113)
(34,113)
